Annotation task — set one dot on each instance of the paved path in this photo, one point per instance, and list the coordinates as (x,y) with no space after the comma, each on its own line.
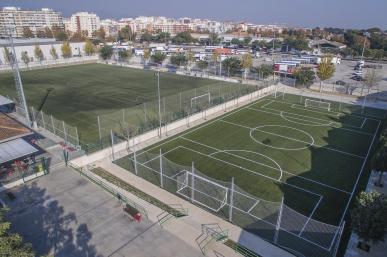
(189,228)
(377,250)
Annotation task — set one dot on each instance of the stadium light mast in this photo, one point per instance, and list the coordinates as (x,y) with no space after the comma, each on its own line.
(366,35)
(18,82)
(158,93)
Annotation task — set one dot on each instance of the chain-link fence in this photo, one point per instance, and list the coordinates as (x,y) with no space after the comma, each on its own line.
(58,127)
(274,221)
(151,115)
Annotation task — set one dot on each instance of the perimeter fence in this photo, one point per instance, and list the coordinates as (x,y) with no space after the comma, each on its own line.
(273,221)
(147,116)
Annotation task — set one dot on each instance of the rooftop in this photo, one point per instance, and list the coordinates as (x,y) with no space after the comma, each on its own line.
(11,129)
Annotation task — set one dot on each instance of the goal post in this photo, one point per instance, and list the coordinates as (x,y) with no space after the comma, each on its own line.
(317,104)
(207,193)
(201,100)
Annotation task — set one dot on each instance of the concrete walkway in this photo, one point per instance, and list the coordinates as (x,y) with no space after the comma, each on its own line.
(189,228)
(377,250)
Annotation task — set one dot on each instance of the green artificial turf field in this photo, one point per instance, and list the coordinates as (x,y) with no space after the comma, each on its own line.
(273,148)
(82,92)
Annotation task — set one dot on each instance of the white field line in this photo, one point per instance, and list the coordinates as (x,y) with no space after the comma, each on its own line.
(252,207)
(240,167)
(310,216)
(201,126)
(268,166)
(266,104)
(312,109)
(313,118)
(364,121)
(294,139)
(158,156)
(360,173)
(328,124)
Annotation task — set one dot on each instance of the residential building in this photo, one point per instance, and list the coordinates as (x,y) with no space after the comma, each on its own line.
(84,22)
(13,20)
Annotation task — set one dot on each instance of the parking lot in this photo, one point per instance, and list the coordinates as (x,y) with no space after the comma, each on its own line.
(63,214)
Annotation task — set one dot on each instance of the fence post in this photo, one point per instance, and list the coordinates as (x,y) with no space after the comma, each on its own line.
(52,123)
(278,225)
(99,130)
(135,159)
(161,170)
(44,124)
(180,102)
(339,239)
(231,199)
(64,131)
(76,133)
(145,117)
(112,142)
(123,116)
(192,183)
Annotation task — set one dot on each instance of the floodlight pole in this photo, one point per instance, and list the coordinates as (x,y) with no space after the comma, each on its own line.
(161,169)
(364,43)
(158,92)
(19,87)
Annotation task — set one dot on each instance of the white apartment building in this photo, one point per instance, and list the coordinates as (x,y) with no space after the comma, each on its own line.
(111,27)
(14,19)
(84,21)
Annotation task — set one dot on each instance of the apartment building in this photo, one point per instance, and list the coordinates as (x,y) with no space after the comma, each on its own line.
(14,19)
(84,21)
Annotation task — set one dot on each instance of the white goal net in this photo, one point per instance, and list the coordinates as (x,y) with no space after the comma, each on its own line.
(202,190)
(317,104)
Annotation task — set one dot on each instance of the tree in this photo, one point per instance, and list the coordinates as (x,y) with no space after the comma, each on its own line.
(12,244)
(215,58)
(27,32)
(99,34)
(66,50)
(124,55)
(41,34)
(25,58)
(7,55)
(89,48)
(179,59)
(106,52)
(379,163)
(59,33)
(48,32)
(158,57)
(232,65)
(190,59)
(78,37)
(162,37)
(304,77)
(146,55)
(126,34)
(368,217)
(146,37)
(264,70)
(38,53)
(247,63)
(325,70)
(53,53)
(202,65)
(370,80)
(183,38)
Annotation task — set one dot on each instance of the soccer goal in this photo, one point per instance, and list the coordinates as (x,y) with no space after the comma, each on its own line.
(202,191)
(201,100)
(317,104)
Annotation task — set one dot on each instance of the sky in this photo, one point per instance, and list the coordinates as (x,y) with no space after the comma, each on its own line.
(357,14)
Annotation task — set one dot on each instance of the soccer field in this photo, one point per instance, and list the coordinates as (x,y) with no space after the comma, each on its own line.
(82,92)
(311,155)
